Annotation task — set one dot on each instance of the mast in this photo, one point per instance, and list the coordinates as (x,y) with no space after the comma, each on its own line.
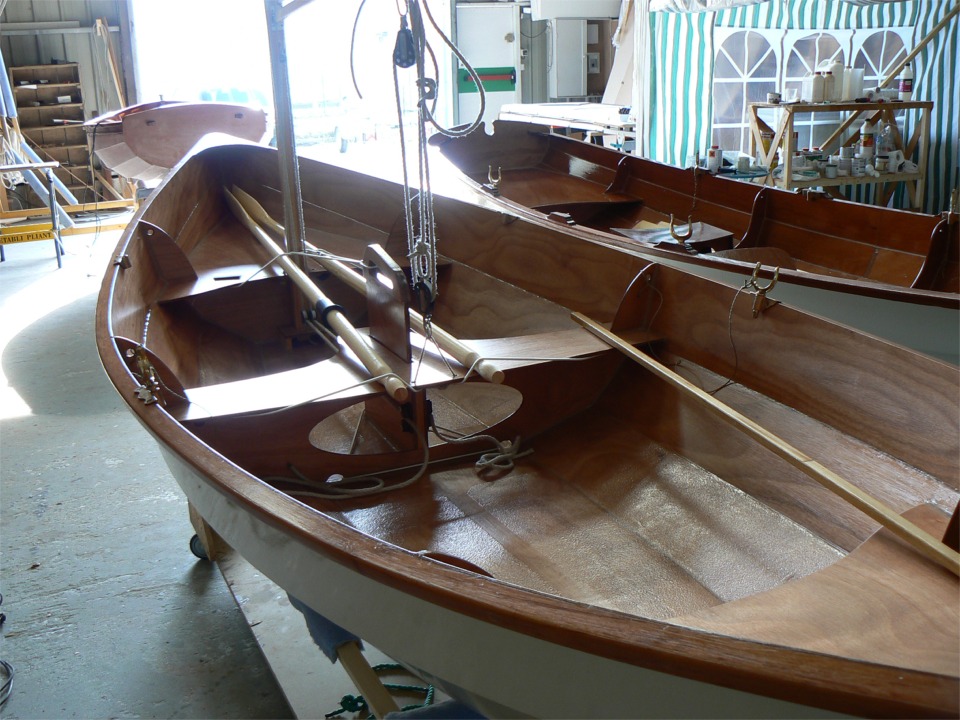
(277,12)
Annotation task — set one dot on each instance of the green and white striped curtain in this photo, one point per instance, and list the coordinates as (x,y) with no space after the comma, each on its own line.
(678,94)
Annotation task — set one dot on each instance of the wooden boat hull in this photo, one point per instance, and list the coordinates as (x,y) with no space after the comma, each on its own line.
(888,272)
(625,511)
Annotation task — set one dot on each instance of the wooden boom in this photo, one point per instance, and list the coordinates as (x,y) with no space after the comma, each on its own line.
(462,353)
(920,540)
(332,315)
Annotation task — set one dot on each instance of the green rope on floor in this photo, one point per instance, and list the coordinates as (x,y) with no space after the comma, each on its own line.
(348,703)
(356,703)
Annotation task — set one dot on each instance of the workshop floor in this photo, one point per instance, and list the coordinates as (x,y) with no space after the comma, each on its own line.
(108,614)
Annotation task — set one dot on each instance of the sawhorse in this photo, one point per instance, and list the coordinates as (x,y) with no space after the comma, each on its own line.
(31,233)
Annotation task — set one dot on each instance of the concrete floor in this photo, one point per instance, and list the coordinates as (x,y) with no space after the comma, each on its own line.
(107,612)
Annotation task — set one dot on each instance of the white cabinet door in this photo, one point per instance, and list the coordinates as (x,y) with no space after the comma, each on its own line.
(488,35)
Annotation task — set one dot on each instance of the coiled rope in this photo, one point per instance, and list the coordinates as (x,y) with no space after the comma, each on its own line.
(357,703)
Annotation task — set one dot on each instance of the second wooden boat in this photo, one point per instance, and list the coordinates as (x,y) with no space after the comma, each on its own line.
(142,142)
(890,272)
(668,497)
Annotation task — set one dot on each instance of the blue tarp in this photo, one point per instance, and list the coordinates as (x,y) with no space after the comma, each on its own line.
(329,636)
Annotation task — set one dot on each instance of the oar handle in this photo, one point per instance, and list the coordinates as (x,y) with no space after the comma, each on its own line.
(919,539)
(339,323)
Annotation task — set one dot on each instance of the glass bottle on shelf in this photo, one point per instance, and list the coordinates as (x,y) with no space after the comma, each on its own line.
(886,143)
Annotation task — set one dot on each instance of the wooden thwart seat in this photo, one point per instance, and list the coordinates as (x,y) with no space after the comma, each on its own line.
(594,212)
(703,237)
(818,242)
(275,391)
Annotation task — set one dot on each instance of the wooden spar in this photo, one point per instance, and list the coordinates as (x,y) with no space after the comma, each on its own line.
(920,45)
(333,316)
(366,680)
(461,352)
(286,140)
(919,539)
(102,30)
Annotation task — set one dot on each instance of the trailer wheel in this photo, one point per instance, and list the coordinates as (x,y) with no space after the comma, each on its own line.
(196,547)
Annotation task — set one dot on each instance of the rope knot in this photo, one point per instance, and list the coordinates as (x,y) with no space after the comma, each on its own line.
(502,459)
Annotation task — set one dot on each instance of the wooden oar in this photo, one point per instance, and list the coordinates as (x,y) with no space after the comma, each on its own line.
(332,315)
(922,541)
(895,72)
(463,354)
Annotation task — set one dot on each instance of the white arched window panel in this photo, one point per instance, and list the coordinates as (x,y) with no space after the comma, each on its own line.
(746,68)
(749,63)
(878,52)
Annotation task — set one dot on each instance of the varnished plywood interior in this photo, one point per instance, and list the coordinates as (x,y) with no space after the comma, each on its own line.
(564,518)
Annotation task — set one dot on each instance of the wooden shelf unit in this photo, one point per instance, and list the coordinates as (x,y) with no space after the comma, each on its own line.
(49,101)
(878,113)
